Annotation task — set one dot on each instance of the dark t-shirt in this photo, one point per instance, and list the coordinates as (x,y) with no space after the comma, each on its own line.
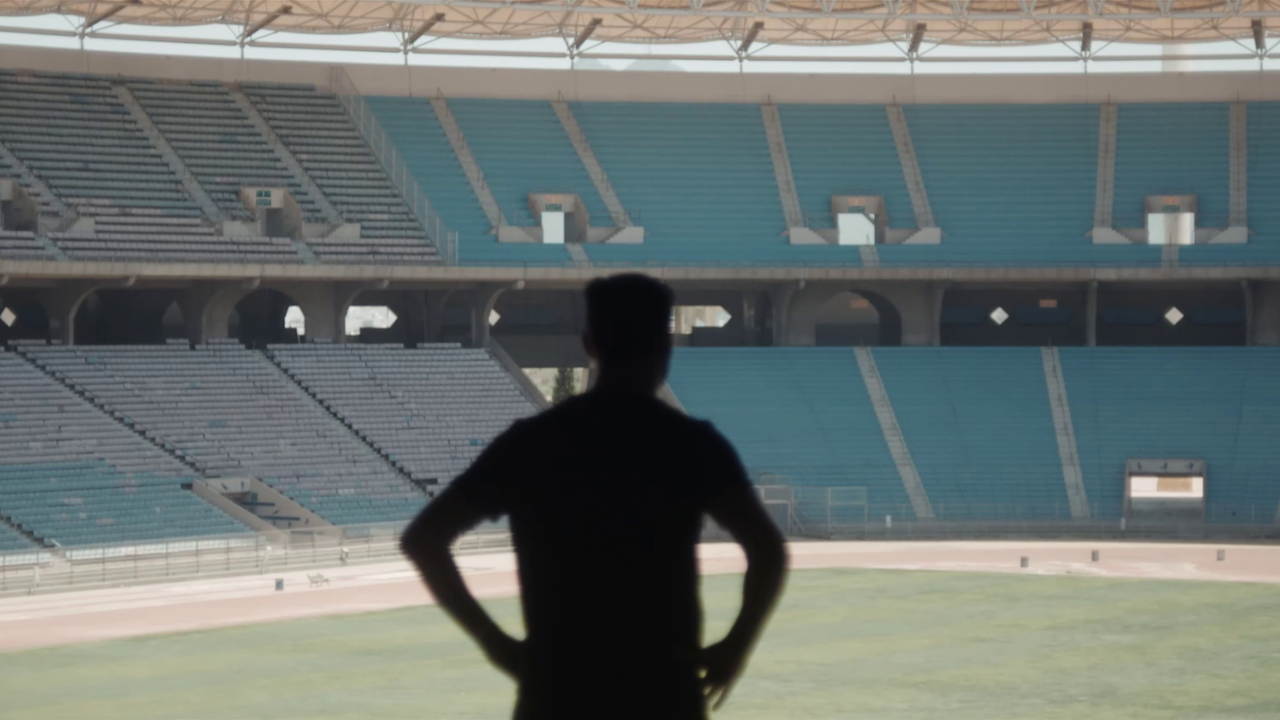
(605,495)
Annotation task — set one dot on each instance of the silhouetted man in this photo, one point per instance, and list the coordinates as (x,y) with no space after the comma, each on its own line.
(605,494)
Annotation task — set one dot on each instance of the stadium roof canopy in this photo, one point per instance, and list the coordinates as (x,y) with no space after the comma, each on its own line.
(745,25)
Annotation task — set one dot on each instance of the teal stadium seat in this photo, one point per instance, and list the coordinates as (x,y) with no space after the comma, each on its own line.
(980,431)
(799,412)
(1221,405)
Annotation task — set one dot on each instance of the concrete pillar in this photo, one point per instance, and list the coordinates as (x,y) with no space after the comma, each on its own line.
(412,311)
(939,296)
(324,306)
(750,333)
(782,325)
(1266,313)
(207,307)
(1247,291)
(61,304)
(919,307)
(436,301)
(1091,314)
(483,299)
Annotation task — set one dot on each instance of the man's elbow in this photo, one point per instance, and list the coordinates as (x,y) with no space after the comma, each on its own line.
(421,540)
(769,550)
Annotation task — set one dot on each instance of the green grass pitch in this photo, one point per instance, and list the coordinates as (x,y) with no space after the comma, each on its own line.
(883,645)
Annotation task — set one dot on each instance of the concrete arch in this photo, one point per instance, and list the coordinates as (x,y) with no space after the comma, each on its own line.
(31,321)
(61,305)
(261,314)
(853,318)
(123,316)
(906,317)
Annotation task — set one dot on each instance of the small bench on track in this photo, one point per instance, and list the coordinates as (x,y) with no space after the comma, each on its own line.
(317,579)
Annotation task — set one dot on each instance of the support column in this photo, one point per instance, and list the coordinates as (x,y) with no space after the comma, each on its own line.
(1091,314)
(483,299)
(206,308)
(940,294)
(1247,291)
(323,308)
(750,333)
(782,297)
(1266,313)
(414,306)
(437,301)
(919,307)
(61,304)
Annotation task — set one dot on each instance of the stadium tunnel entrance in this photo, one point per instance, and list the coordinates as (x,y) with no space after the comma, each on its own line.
(267,316)
(840,316)
(1173,314)
(857,319)
(129,316)
(1014,315)
(22,315)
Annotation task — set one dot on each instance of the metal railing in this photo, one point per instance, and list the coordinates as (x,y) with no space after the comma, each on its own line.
(52,570)
(844,512)
(397,170)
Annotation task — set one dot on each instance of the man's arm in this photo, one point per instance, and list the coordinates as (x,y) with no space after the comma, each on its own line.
(740,512)
(426,542)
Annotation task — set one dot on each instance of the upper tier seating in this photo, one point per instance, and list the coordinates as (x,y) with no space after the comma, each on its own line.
(12,542)
(430,409)
(76,134)
(523,148)
(174,239)
(1010,185)
(413,127)
(232,413)
(844,150)
(799,412)
(1172,149)
(43,202)
(980,431)
(1221,405)
(23,245)
(700,180)
(219,143)
(71,474)
(315,127)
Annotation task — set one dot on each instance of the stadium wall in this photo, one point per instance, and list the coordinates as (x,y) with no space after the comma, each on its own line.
(676,87)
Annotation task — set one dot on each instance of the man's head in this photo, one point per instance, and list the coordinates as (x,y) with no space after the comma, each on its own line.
(629,328)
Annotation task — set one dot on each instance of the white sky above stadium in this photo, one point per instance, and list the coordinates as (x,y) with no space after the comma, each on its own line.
(1042,59)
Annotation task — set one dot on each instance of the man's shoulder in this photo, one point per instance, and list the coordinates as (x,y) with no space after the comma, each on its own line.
(588,406)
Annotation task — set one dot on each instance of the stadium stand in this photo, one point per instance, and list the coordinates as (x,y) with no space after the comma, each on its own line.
(231,413)
(23,245)
(430,409)
(11,541)
(315,127)
(412,125)
(180,242)
(77,135)
(70,474)
(844,150)
(44,202)
(980,431)
(1147,163)
(661,157)
(219,143)
(523,148)
(1263,183)
(803,413)
(1010,185)
(1217,404)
